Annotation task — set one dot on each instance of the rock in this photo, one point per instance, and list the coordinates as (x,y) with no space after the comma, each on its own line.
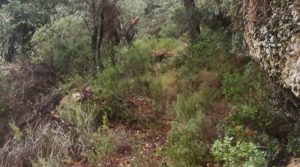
(275,44)
(77,96)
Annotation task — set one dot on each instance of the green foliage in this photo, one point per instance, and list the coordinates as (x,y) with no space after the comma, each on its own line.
(168,30)
(238,87)
(188,142)
(184,19)
(187,107)
(185,148)
(212,43)
(248,96)
(16,131)
(73,111)
(152,13)
(252,116)
(110,81)
(75,81)
(4,88)
(65,45)
(137,65)
(19,20)
(238,154)
(103,144)
(136,60)
(206,52)
(208,92)
(107,92)
(45,162)
(155,91)
(293,145)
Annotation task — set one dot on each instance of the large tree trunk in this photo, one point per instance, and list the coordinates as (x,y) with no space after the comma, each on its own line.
(193,24)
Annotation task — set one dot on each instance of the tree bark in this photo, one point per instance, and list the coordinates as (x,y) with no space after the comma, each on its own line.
(193,24)
(96,14)
(11,51)
(100,41)
(94,40)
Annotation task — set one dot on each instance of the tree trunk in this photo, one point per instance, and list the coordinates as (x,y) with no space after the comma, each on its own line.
(112,53)
(100,41)
(193,24)
(94,40)
(188,4)
(11,51)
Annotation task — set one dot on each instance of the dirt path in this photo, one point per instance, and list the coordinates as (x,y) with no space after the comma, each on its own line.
(142,143)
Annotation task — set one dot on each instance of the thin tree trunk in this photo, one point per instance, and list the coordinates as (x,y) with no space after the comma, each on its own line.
(99,42)
(112,52)
(94,39)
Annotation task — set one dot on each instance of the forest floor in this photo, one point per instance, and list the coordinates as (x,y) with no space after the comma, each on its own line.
(140,143)
(143,141)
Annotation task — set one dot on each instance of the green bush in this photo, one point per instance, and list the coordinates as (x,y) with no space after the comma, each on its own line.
(185,147)
(238,154)
(205,52)
(247,94)
(136,60)
(73,111)
(188,142)
(293,145)
(5,86)
(156,91)
(103,144)
(75,81)
(110,81)
(188,105)
(64,44)
(243,87)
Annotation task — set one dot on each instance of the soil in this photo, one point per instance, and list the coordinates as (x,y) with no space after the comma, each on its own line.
(144,142)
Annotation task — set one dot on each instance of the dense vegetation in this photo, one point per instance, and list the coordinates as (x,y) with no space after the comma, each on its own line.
(137,83)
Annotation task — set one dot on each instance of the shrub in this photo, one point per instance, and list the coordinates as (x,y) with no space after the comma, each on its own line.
(44,141)
(136,60)
(187,107)
(107,89)
(156,91)
(75,81)
(185,147)
(241,87)
(103,144)
(111,81)
(74,112)
(293,145)
(65,45)
(205,52)
(237,154)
